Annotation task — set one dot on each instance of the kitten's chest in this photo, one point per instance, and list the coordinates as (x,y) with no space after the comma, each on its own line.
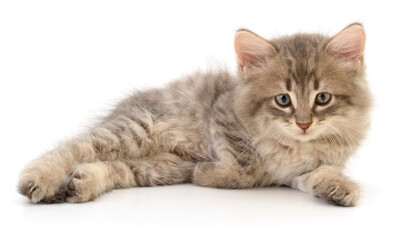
(282,165)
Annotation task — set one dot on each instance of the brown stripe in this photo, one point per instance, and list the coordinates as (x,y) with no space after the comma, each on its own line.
(278,112)
(316,84)
(288,84)
(139,121)
(124,126)
(232,138)
(344,98)
(259,104)
(239,159)
(223,124)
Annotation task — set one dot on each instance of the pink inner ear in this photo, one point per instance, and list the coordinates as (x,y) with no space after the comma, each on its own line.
(251,50)
(251,59)
(350,52)
(349,43)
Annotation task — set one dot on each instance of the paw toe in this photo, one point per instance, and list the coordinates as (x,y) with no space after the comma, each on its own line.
(76,188)
(337,192)
(30,189)
(71,186)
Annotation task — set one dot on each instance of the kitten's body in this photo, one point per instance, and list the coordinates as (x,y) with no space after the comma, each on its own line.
(218,130)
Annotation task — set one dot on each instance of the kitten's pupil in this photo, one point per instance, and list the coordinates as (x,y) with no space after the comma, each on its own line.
(322,97)
(284,99)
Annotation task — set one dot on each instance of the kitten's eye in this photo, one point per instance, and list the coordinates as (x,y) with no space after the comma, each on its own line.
(323,98)
(283,100)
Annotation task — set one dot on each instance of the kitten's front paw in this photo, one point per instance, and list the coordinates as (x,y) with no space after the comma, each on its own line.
(83,185)
(337,191)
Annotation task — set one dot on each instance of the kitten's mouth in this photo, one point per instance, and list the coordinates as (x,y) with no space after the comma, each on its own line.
(304,136)
(304,133)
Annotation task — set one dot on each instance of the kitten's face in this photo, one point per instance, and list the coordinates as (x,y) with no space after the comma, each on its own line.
(307,107)
(303,91)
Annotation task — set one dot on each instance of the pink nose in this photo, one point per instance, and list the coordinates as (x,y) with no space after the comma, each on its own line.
(304,126)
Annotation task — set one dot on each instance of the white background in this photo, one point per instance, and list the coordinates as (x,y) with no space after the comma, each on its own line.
(62,63)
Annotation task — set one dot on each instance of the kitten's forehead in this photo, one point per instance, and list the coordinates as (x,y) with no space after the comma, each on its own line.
(302,55)
(300,45)
(303,66)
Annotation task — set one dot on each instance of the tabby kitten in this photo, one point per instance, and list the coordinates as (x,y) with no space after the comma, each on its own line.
(293,116)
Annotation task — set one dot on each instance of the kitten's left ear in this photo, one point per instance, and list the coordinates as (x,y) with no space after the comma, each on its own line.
(251,49)
(349,43)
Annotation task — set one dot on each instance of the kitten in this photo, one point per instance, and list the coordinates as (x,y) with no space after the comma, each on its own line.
(293,116)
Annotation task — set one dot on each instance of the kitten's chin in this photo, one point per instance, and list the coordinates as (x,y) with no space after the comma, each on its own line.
(304,136)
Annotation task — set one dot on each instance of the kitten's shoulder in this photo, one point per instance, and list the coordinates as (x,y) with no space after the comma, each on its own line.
(204,86)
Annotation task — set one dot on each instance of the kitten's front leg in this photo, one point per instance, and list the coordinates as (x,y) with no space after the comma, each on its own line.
(328,183)
(226,173)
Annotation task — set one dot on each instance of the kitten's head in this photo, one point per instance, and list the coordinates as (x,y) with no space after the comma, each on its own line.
(303,87)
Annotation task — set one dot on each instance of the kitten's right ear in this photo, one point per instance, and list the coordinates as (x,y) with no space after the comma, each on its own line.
(251,49)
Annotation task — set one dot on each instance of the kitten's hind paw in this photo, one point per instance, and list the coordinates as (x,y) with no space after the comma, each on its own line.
(82,185)
(28,188)
(40,189)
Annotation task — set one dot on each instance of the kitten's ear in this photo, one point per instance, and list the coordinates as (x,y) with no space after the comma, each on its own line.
(251,49)
(349,43)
